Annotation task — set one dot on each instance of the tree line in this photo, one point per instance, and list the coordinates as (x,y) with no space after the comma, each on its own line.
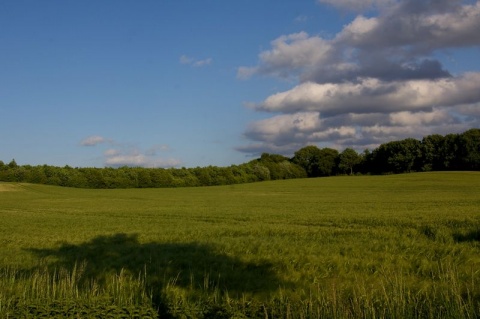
(432,153)
(270,167)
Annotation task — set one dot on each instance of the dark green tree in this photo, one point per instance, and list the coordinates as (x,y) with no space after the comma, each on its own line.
(273,163)
(398,156)
(450,152)
(13,164)
(432,146)
(308,158)
(261,172)
(327,162)
(161,177)
(470,149)
(348,159)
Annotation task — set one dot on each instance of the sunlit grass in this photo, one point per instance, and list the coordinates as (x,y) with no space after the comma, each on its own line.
(394,246)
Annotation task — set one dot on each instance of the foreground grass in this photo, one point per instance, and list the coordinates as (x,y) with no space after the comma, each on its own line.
(394,246)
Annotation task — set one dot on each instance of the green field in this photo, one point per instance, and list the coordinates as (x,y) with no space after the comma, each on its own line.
(396,246)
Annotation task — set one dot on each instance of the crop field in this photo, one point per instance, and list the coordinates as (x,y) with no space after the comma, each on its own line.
(396,246)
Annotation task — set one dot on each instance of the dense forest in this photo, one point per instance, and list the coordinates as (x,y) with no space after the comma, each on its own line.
(432,153)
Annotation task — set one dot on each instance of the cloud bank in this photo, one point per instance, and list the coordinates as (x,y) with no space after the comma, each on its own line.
(378,79)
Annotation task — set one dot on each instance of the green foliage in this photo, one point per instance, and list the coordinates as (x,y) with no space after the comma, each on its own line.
(327,163)
(396,246)
(432,157)
(316,162)
(470,146)
(308,158)
(398,156)
(348,159)
(12,164)
(280,167)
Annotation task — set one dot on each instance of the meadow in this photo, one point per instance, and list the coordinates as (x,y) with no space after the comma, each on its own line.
(394,246)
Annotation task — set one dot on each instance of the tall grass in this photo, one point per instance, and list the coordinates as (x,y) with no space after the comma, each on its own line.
(402,246)
(43,293)
(49,293)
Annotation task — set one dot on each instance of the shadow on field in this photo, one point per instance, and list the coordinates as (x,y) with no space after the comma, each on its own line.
(197,267)
(473,235)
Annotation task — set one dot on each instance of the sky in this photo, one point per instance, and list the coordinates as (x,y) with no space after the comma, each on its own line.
(187,83)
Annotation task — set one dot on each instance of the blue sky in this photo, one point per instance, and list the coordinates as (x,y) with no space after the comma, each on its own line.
(195,83)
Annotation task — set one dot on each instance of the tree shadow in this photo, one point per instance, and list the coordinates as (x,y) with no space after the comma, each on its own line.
(470,236)
(186,265)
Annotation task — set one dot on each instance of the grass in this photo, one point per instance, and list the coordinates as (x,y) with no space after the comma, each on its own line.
(398,246)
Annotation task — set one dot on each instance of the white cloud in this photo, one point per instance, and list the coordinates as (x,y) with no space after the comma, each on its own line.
(356,32)
(469,109)
(139,160)
(195,62)
(111,152)
(296,129)
(455,29)
(204,62)
(406,118)
(245,72)
(399,43)
(281,128)
(94,140)
(411,27)
(330,133)
(126,156)
(292,53)
(152,151)
(385,133)
(289,132)
(372,95)
(301,18)
(185,59)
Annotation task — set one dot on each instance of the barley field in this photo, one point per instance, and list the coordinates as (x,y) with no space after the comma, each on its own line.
(396,246)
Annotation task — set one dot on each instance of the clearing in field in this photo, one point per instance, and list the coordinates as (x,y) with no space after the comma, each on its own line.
(398,246)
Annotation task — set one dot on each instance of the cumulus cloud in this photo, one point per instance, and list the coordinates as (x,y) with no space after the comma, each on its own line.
(416,26)
(406,118)
(469,110)
(282,129)
(379,78)
(397,44)
(288,132)
(290,55)
(292,131)
(372,95)
(195,62)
